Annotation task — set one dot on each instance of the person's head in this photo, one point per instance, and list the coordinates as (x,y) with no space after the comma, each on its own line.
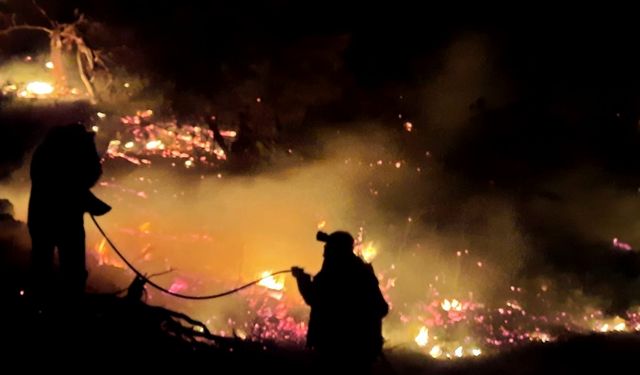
(71,135)
(68,153)
(63,144)
(338,244)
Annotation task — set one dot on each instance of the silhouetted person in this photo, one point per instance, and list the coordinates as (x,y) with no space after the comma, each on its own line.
(9,227)
(12,251)
(6,211)
(63,169)
(347,307)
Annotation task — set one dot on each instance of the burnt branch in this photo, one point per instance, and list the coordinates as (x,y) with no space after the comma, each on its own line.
(14,28)
(42,12)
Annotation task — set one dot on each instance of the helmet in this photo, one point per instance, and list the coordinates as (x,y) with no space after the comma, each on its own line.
(339,240)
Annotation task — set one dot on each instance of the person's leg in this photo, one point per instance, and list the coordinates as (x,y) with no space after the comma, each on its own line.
(42,250)
(71,248)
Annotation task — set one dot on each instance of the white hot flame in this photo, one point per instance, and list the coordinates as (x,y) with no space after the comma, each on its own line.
(458,352)
(39,88)
(422,339)
(270,282)
(436,351)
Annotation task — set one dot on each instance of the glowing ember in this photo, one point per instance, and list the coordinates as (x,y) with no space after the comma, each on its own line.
(540,336)
(422,339)
(621,245)
(48,65)
(476,352)
(408,126)
(228,133)
(166,139)
(178,286)
(272,282)
(145,114)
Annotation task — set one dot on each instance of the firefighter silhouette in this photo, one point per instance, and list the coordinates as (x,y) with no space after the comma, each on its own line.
(63,169)
(347,306)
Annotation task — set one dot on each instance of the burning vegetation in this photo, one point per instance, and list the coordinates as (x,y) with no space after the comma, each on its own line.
(453,268)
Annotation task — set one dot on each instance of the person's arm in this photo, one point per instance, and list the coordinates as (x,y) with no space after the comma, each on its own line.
(95,206)
(381,304)
(91,166)
(378,302)
(305,285)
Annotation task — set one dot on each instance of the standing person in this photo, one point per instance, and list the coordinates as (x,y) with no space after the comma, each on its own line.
(347,306)
(63,169)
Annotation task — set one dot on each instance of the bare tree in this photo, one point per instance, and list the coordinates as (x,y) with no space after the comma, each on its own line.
(66,37)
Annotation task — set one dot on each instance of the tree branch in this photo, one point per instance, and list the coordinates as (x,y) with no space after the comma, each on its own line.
(25,27)
(42,12)
(83,76)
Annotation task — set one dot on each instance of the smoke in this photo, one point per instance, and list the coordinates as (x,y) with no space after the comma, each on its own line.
(218,230)
(468,79)
(455,205)
(589,206)
(229,228)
